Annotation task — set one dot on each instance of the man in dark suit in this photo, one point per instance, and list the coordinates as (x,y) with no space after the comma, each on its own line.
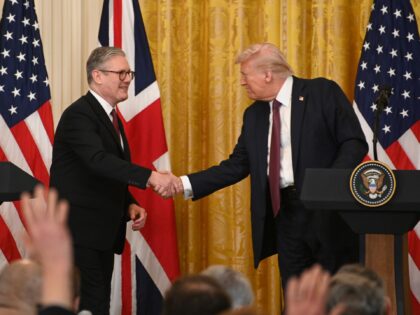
(312,125)
(91,169)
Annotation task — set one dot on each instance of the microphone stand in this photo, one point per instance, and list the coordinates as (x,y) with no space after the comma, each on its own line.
(381,103)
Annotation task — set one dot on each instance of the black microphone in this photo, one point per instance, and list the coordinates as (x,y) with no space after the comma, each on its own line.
(383,97)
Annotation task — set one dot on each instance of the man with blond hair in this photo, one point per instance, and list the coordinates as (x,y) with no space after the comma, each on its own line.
(293,124)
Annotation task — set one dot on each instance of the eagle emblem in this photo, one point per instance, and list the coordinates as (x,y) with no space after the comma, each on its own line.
(373,181)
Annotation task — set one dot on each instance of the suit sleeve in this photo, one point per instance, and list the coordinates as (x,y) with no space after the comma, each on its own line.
(129,200)
(228,172)
(93,145)
(345,127)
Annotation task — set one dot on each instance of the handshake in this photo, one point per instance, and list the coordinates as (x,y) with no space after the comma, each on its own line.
(165,184)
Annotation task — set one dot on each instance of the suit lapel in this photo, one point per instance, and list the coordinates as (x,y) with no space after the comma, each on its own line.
(262,124)
(299,103)
(104,119)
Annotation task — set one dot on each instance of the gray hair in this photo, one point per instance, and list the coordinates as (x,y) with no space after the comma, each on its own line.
(359,290)
(234,283)
(99,56)
(20,285)
(267,57)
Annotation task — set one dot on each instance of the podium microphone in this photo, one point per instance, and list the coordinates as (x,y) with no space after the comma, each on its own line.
(381,102)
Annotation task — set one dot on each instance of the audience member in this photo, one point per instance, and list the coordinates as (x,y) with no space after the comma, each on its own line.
(20,288)
(357,269)
(235,284)
(307,294)
(21,285)
(50,241)
(353,290)
(246,310)
(196,295)
(360,290)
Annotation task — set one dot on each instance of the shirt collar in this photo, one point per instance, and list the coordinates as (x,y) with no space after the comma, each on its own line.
(284,96)
(105,105)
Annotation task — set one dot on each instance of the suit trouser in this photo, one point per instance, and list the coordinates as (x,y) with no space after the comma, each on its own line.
(95,274)
(305,237)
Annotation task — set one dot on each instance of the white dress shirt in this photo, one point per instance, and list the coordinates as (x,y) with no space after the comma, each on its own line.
(286,167)
(107,108)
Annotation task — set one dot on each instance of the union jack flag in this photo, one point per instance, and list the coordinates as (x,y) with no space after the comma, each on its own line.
(150,260)
(391,57)
(26,123)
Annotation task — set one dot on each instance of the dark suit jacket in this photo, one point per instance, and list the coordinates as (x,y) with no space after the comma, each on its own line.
(92,171)
(325,133)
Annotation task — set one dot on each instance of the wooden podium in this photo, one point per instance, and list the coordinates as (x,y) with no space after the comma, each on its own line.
(14,181)
(382,230)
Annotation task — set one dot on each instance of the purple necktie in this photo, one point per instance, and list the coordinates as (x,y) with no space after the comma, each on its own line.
(115,121)
(274,167)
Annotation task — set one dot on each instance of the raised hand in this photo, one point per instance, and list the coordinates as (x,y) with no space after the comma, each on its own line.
(50,242)
(307,295)
(49,237)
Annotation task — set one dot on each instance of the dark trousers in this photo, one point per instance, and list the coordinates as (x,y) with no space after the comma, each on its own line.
(95,274)
(305,237)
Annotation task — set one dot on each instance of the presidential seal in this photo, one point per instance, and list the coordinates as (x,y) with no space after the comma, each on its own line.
(372,183)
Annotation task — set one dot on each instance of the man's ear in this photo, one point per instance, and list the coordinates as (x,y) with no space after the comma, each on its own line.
(97,76)
(268,76)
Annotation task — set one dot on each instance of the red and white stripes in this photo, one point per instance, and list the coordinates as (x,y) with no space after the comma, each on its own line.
(28,145)
(403,154)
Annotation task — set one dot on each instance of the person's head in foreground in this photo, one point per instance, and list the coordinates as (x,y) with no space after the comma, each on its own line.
(235,284)
(360,290)
(20,287)
(196,295)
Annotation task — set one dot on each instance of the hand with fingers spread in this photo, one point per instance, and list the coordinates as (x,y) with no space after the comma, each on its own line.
(50,242)
(138,215)
(307,295)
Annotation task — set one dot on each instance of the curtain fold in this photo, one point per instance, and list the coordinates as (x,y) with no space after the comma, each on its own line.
(194,44)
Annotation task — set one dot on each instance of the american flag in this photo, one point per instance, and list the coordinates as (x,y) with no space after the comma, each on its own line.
(150,260)
(26,123)
(391,57)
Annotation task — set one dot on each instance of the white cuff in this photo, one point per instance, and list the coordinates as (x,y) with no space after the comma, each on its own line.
(188,192)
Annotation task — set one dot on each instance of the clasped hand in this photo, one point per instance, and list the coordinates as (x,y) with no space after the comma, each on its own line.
(165,184)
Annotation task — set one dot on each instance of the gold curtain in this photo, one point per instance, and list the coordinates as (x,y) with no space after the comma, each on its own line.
(194,44)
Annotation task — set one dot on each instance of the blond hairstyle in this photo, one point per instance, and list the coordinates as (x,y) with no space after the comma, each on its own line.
(267,57)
